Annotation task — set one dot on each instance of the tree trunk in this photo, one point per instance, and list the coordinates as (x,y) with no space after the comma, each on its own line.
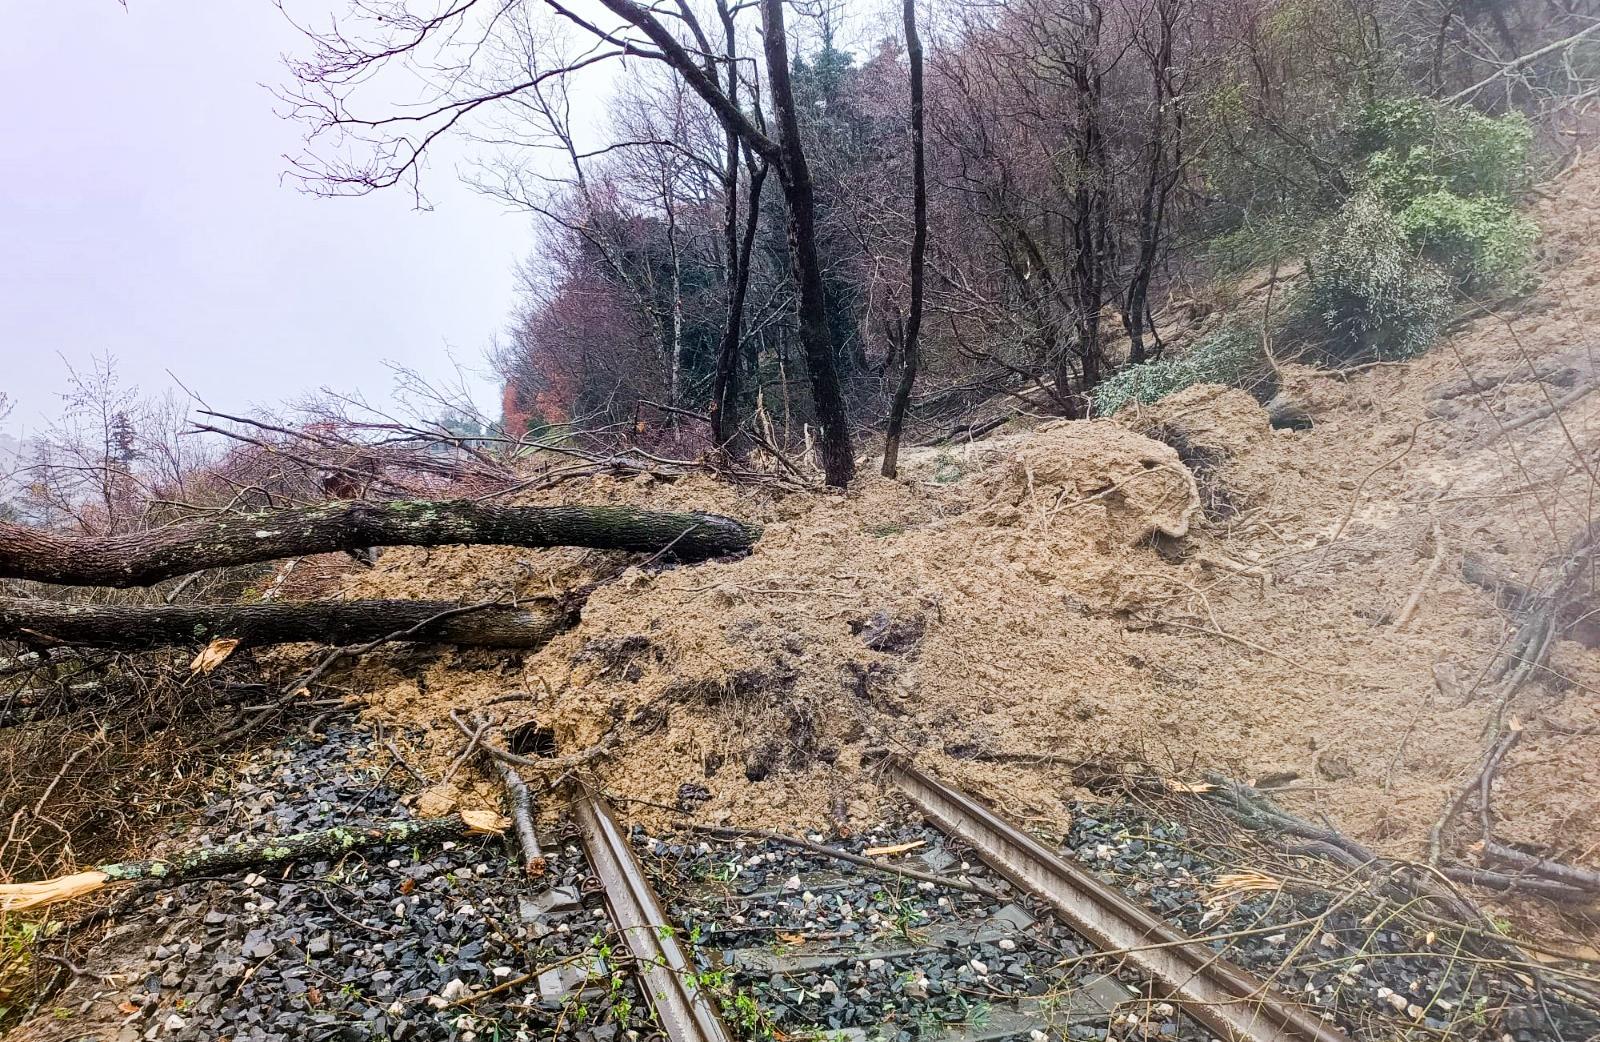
(838,457)
(233,539)
(788,156)
(233,857)
(725,391)
(911,355)
(133,627)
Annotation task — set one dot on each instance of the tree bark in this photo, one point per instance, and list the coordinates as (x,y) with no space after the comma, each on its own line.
(911,353)
(233,539)
(135,627)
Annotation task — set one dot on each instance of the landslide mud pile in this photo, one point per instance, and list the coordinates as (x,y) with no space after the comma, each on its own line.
(1185,586)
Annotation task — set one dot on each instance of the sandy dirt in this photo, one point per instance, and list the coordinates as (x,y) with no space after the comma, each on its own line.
(1074,590)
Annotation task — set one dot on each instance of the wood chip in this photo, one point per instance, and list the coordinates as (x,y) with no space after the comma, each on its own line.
(213,654)
(898,848)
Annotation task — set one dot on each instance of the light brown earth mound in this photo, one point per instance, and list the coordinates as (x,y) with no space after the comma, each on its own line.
(1062,591)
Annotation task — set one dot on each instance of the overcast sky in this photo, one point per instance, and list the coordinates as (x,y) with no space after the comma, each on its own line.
(143,215)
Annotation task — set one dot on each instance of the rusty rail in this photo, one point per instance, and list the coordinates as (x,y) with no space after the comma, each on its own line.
(1231,1002)
(686,1013)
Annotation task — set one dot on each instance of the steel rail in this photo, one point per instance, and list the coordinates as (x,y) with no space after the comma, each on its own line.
(686,1013)
(1233,1003)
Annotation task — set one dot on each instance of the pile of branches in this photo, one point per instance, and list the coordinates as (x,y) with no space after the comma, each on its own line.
(350,453)
(94,746)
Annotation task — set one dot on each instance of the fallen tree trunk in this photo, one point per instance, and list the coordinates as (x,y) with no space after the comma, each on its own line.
(135,627)
(231,857)
(233,539)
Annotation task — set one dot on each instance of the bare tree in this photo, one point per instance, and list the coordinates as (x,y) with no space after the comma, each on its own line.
(446,45)
(910,349)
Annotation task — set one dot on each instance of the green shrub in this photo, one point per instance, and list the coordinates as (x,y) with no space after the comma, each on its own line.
(1230,355)
(1369,291)
(1483,242)
(1416,147)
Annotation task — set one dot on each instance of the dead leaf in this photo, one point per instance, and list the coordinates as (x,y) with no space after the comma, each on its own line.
(1194,788)
(213,654)
(128,1007)
(898,848)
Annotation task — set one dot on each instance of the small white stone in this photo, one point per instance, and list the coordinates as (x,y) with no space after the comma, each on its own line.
(1163,1009)
(394,863)
(453,990)
(396,1008)
(979,968)
(502,971)
(792,883)
(399,909)
(173,1023)
(1038,1036)
(1277,938)
(448,844)
(876,964)
(1399,1002)
(1006,944)
(1415,1011)
(924,886)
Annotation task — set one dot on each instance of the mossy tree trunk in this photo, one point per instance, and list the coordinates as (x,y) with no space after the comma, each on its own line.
(234,539)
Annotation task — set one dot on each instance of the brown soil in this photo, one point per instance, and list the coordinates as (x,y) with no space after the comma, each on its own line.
(1073,590)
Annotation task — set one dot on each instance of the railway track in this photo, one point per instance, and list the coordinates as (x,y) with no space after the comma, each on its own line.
(965,929)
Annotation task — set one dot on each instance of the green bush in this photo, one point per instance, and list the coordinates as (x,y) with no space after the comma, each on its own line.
(1483,242)
(1451,175)
(1230,355)
(1369,290)
(1415,147)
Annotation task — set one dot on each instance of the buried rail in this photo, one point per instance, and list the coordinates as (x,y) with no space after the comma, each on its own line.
(684,1009)
(1234,1004)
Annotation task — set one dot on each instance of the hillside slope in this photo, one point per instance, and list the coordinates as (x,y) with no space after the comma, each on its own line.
(1072,590)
